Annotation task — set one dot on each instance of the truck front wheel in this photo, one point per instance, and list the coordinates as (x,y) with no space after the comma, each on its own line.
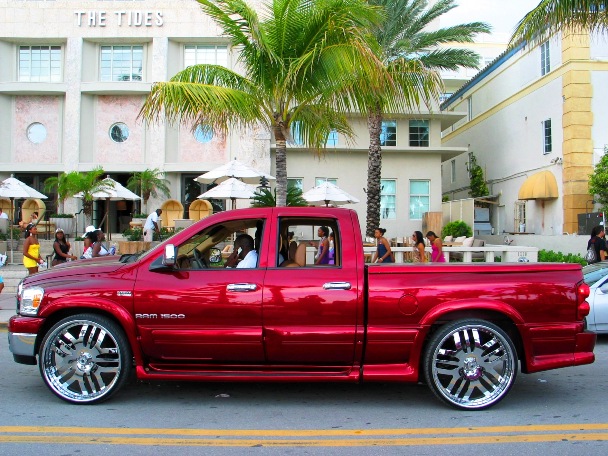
(85,358)
(470,364)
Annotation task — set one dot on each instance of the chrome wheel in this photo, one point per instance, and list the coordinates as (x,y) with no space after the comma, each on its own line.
(84,358)
(470,364)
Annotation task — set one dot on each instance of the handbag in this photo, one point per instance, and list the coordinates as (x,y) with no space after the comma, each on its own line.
(591,255)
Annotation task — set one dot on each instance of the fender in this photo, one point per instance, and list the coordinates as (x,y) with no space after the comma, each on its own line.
(118,311)
(480,304)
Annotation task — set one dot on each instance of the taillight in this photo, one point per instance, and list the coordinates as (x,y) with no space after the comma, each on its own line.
(583,309)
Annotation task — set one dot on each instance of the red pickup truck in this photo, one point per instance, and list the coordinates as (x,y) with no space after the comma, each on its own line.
(177,313)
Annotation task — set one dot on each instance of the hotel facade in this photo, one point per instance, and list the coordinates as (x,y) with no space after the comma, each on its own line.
(75,74)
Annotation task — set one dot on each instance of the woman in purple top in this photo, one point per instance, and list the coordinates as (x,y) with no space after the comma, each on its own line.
(436,247)
(323,252)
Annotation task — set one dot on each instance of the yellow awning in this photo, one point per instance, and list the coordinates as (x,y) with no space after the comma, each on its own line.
(542,185)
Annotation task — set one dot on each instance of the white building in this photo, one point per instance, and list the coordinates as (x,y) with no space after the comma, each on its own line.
(74,76)
(535,119)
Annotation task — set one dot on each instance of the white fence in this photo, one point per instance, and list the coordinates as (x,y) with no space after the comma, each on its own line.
(507,253)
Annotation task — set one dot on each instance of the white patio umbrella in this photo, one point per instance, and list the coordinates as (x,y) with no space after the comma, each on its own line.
(328,193)
(118,193)
(12,188)
(233,168)
(232,189)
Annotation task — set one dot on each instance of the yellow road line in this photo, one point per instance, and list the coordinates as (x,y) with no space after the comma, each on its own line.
(490,439)
(304,432)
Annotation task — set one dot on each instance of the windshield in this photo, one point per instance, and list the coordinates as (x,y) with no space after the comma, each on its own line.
(595,272)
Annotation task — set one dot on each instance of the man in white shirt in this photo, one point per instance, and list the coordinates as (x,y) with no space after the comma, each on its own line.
(152,224)
(3,215)
(243,254)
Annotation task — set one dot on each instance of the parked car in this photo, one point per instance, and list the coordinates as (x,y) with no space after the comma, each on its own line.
(596,276)
(176,313)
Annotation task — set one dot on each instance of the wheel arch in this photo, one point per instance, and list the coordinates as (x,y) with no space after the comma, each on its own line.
(115,313)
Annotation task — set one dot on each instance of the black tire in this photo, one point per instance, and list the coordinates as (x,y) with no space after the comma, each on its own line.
(85,359)
(470,364)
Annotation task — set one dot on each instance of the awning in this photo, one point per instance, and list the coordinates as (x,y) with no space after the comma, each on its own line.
(542,185)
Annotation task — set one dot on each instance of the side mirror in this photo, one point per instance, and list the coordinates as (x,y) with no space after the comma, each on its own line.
(215,256)
(169,256)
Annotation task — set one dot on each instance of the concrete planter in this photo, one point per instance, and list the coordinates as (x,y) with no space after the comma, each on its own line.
(132,246)
(66,224)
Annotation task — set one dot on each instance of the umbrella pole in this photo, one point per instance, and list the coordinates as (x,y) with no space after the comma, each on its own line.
(10,228)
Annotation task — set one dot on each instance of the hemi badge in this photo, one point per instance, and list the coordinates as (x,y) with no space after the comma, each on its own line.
(124,293)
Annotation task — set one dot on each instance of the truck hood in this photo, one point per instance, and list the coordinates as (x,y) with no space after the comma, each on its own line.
(102,265)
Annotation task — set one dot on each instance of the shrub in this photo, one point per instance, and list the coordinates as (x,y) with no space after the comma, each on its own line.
(61,216)
(133,234)
(549,256)
(456,229)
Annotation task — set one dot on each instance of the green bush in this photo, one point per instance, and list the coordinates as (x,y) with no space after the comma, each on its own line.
(133,234)
(61,216)
(456,229)
(549,256)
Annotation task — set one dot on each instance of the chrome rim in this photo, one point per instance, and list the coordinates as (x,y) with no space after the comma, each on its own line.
(473,366)
(81,361)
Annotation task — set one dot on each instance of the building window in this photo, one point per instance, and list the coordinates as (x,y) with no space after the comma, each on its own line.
(419,133)
(295,182)
(520,216)
(210,55)
(388,135)
(470,109)
(121,63)
(320,180)
(332,139)
(36,133)
(420,197)
(548,143)
(119,132)
(388,196)
(296,134)
(453,171)
(40,63)
(545,58)
(203,134)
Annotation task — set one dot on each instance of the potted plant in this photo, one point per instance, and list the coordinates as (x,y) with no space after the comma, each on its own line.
(63,221)
(134,243)
(17,234)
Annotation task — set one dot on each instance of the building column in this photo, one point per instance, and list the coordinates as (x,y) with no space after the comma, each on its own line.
(577,121)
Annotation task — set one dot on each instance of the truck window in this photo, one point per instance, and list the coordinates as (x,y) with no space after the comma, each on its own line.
(210,248)
(308,243)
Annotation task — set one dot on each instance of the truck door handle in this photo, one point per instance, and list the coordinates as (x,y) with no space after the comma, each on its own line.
(336,286)
(242,287)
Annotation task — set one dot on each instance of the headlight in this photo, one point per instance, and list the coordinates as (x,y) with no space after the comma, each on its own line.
(30,301)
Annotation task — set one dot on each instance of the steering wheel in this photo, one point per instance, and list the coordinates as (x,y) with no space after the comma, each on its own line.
(199,260)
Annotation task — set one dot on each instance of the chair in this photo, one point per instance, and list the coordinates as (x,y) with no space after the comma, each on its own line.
(200,209)
(30,206)
(172,209)
(299,256)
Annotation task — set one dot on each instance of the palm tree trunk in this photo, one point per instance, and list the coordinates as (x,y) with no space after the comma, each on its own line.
(281,165)
(374,171)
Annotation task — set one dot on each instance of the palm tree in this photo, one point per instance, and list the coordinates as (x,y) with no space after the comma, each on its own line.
(265,197)
(300,62)
(61,185)
(148,183)
(413,56)
(85,185)
(550,16)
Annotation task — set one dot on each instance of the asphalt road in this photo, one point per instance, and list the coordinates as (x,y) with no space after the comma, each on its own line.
(561,411)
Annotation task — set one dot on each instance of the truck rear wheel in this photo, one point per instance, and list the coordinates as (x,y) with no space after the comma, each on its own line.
(470,364)
(85,358)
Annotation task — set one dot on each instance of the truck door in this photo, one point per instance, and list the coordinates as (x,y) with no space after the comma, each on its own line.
(311,312)
(200,311)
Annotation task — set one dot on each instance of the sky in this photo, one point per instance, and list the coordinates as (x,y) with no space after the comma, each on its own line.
(502,15)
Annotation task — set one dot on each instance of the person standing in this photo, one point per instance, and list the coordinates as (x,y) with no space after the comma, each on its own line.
(31,249)
(598,242)
(323,249)
(436,248)
(152,225)
(383,250)
(62,248)
(419,248)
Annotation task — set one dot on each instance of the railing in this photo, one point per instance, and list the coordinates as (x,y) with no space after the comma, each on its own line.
(507,253)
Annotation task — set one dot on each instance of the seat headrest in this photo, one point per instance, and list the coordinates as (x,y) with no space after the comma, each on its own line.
(300,255)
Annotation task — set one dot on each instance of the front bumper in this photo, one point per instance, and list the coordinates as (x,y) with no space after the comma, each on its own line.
(22,335)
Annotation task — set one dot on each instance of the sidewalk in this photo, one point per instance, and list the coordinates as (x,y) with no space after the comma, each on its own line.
(8,305)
